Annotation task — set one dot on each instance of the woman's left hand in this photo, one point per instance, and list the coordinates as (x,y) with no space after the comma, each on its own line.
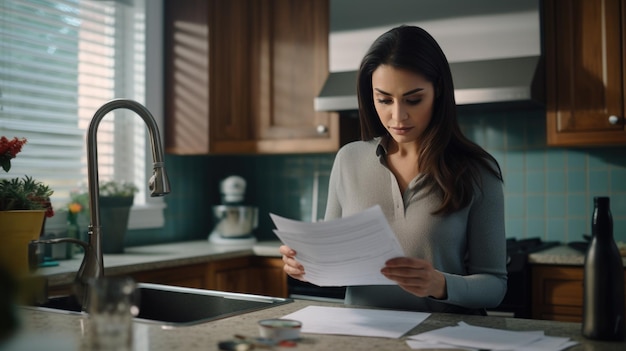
(416,276)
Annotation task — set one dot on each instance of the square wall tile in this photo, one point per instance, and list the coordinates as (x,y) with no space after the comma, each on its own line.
(556,230)
(576,160)
(577,205)
(555,159)
(617,179)
(556,205)
(576,181)
(555,181)
(515,228)
(514,182)
(536,228)
(535,206)
(598,181)
(535,182)
(514,206)
(515,161)
(535,160)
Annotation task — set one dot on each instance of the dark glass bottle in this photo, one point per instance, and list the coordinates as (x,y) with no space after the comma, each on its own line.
(603,285)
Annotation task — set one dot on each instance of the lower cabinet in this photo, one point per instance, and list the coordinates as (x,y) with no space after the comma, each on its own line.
(253,275)
(250,274)
(557,292)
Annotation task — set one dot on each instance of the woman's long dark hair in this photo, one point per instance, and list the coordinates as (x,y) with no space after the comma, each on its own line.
(447,158)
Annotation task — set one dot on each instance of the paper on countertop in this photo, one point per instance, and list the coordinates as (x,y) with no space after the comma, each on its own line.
(344,251)
(465,335)
(357,321)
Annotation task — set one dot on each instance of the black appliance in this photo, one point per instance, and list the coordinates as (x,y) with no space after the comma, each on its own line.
(304,290)
(518,299)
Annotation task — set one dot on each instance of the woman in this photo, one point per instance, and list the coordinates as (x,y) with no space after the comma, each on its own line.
(441,193)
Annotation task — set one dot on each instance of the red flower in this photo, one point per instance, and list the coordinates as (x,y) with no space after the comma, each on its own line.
(8,150)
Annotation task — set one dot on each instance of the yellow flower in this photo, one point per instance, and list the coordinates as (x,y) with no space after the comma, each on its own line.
(74,207)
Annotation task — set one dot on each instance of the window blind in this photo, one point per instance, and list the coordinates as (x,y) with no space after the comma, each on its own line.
(60,60)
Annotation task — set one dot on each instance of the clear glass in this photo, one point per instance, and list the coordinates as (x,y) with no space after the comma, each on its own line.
(113,304)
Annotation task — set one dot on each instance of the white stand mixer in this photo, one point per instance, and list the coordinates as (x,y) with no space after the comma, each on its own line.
(234,221)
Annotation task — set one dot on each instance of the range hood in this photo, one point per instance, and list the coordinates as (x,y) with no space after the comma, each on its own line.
(507,80)
(494,48)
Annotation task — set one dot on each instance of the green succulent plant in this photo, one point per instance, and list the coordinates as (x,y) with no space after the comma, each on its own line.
(21,193)
(24,194)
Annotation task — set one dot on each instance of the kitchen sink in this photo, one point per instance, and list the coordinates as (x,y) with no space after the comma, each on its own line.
(178,306)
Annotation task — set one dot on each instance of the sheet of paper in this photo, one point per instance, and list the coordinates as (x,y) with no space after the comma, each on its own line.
(465,335)
(357,321)
(342,252)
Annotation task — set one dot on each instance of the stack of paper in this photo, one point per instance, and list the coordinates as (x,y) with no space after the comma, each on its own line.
(357,321)
(466,336)
(342,252)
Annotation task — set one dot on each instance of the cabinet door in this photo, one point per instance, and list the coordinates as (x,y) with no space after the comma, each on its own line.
(241,77)
(585,71)
(207,76)
(292,67)
(251,274)
(186,64)
(267,277)
(557,293)
(192,276)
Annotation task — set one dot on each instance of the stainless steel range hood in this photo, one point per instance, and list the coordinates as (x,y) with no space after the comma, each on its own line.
(494,49)
(515,80)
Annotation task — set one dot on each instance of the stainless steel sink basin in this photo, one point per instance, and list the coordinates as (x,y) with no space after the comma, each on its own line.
(172,305)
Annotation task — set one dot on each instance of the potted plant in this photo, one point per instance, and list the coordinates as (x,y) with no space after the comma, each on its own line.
(116,200)
(24,205)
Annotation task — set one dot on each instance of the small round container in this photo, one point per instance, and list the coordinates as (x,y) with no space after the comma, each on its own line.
(280,329)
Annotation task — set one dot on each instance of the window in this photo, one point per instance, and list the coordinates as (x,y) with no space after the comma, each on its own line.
(60,60)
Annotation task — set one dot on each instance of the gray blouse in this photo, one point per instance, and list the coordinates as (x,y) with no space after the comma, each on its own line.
(467,246)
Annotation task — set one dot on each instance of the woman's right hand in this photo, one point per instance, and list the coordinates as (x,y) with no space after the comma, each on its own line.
(292,267)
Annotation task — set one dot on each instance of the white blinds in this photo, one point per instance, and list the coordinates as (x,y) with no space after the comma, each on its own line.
(59,61)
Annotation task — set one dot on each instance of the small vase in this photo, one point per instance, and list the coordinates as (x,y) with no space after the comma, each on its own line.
(17,230)
(72,232)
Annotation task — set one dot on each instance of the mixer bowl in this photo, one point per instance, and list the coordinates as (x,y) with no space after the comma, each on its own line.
(235,221)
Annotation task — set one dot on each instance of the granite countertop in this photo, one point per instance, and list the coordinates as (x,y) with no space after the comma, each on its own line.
(68,331)
(560,255)
(140,258)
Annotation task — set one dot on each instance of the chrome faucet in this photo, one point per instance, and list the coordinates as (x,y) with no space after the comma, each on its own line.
(92,266)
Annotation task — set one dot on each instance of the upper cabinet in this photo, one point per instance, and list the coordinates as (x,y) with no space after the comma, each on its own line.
(585,72)
(241,76)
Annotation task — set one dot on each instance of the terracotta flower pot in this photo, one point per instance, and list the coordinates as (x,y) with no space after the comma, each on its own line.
(17,229)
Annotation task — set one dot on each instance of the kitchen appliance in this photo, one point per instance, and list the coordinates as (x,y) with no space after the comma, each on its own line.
(234,221)
(494,48)
(517,301)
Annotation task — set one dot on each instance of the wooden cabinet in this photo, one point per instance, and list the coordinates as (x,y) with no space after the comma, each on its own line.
(585,72)
(191,276)
(251,274)
(241,76)
(557,292)
(254,275)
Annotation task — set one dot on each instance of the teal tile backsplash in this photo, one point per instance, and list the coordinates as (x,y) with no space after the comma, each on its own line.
(548,191)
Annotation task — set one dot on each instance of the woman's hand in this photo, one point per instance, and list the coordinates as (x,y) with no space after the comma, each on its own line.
(291,267)
(416,276)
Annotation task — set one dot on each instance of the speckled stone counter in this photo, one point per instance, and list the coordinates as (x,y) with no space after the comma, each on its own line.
(560,255)
(141,258)
(72,330)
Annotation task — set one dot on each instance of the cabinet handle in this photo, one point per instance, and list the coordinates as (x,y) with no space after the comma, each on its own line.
(322,129)
(613,119)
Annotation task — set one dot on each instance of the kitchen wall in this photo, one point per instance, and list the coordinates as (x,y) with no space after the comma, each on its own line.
(548,191)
